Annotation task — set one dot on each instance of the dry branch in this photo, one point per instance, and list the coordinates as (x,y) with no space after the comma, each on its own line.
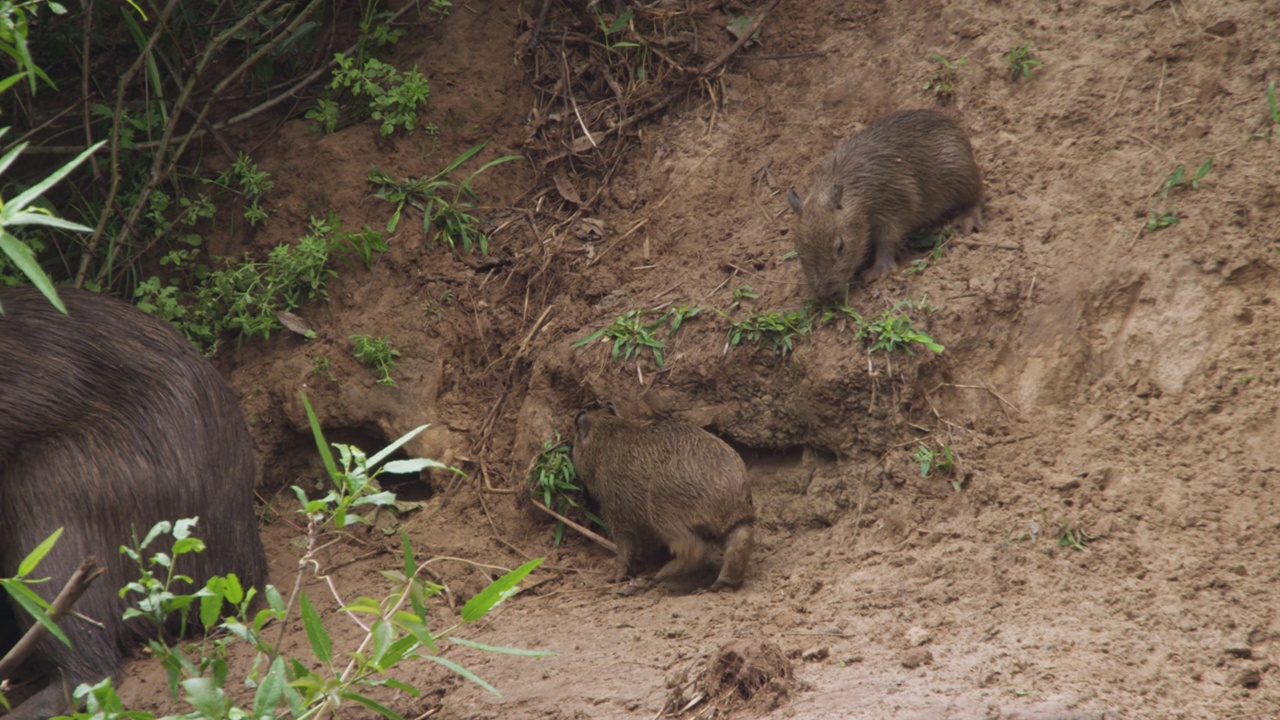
(76,586)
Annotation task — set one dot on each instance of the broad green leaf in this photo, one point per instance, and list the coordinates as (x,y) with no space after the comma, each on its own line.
(206,696)
(34,557)
(499,590)
(316,633)
(35,606)
(400,441)
(402,467)
(270,691)
(371,704)
(22,258)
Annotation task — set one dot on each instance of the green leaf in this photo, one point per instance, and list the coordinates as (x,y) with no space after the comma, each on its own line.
(34,557)
(22,258)
(35,606)
(463,672)
(384,452)
(270,691)
(503,650)
(371,704)
(499,590)
(592,337)
(403,467)
(316,633)
(206,696)
(26,197)
(325,454)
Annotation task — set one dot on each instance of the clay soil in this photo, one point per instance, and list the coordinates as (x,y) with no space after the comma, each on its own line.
(1098,378)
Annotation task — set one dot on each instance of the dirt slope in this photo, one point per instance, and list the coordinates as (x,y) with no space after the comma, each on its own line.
(1097,376)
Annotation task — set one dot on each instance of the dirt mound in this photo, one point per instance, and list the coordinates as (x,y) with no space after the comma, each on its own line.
(743,675)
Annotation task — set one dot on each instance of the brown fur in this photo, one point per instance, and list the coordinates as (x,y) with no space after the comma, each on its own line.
(668,484)
(906,171)
(110,422)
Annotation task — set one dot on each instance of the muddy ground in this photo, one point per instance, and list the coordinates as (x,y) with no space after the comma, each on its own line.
(1098,377)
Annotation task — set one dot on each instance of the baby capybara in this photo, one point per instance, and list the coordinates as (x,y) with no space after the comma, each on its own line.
(906,171)
(666,483)
(109,423)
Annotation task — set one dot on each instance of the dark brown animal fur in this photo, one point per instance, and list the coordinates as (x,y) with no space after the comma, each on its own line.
(668,484)
(110,422)
(906,171)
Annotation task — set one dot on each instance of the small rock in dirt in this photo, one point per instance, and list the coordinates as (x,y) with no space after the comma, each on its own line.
(1243,653)
(1250,679)
(917,636)
(1222,29)
(816,654)
(915,657)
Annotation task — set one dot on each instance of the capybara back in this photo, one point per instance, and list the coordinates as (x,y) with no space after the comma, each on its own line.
(110,423)
(666,483)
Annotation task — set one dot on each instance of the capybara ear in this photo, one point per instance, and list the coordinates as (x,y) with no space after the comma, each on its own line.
(582,423)
(612,410)
(794,200)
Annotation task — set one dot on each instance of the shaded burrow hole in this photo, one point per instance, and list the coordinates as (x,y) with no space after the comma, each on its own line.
(768,461)
(297,462)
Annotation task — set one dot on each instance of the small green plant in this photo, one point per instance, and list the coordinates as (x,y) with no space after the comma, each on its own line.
(1178,178)
(891,332)
(610,29)
(744,292)
(1072,536)
(363,244)
(445,205)
(436,302)
(440,7)
(680,313)
(1272,123)
(377,353)
(393,98)
(939,459)
(1021,62)
(554,481)
(776,330)
(322,367)
(944,80)
(239,297)
(245,178)
(1161,220)
(631,334)
(1166,214)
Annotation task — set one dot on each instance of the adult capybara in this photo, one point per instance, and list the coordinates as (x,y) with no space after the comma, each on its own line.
(109,423)
(666,483)
(906,171)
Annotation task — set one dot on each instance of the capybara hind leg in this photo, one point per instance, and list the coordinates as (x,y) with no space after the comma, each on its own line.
(737,550)
(689,553)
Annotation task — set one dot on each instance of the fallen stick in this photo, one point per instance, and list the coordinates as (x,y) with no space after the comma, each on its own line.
(600,540)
